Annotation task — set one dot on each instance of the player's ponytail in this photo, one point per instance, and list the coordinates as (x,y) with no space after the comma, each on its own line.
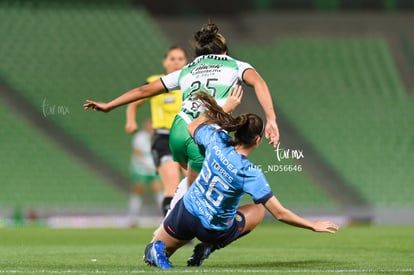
(246,127)
(209,41)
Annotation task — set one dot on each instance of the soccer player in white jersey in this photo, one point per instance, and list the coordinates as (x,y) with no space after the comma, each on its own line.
(209,210)
(143,172)
(212,71)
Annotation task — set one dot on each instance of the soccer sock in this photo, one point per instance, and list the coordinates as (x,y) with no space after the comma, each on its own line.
(159,197)
(179,193)
(135,203)
(219,246)
(166,205)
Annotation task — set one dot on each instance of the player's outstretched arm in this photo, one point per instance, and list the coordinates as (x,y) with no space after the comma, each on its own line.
(253,79)
(285,215)
(147,90)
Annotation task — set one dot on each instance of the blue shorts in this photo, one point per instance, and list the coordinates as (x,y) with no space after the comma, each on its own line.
(182,225)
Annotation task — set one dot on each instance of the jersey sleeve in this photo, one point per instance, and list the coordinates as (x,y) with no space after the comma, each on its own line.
(171,81)
(255,184)
(206,134)
(203,134)
(243,66)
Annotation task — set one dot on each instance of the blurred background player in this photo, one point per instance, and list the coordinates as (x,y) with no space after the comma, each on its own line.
(164,107)
(143,172)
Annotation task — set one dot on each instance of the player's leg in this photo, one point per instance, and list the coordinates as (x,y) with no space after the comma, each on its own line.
(247,218)
(135,198)
(196,156)
(196,159)
(191,175)
(253,215)
(184,149)
(171,243)
(179,193)
(179,137)
(168,169)
(157,189)
(174,233)
(181,190)
(162,246)
(170,176)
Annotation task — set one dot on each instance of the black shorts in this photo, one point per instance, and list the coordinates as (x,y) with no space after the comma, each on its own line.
(160,148)
(182,225)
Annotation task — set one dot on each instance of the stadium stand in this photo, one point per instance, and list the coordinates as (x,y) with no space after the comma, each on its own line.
(56,56)
(36,173)
(345,96)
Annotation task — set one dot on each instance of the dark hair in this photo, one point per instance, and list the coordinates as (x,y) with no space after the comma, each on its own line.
(246,127)
(209,41)
(175,48)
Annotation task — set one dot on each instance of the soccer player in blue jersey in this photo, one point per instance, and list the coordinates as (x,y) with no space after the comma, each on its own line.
(209,210)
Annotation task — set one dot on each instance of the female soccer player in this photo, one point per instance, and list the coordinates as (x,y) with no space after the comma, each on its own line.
(143,172)
(212,71)
(209,210)
(164,107)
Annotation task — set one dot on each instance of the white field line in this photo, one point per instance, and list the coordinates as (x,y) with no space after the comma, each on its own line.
(192,271)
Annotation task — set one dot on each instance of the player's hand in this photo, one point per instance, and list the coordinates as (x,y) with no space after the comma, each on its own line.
(96,106)
(272,132)
(131,127)
(234,99)
(326,227)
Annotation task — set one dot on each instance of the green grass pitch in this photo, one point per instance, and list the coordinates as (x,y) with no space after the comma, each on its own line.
(271,249)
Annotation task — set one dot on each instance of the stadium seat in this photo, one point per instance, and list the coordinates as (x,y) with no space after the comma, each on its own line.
(345,97)
(57,56)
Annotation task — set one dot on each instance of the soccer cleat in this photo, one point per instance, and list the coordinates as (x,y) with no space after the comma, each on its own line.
(155,255)
(200,253)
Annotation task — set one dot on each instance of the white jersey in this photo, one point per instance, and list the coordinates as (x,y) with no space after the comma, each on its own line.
(214,74)
(143,163)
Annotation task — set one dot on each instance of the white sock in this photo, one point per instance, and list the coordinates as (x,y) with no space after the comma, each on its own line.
(159,197)
(135,203)
(179,193)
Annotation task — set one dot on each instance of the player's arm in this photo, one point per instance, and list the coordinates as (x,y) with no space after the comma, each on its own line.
(253,79)
(285,215)
(193,125)
(131,112)
(232,101)
(147,90)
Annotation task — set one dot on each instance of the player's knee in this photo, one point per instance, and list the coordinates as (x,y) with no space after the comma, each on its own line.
(261,211)
(138,189)
(257,214)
